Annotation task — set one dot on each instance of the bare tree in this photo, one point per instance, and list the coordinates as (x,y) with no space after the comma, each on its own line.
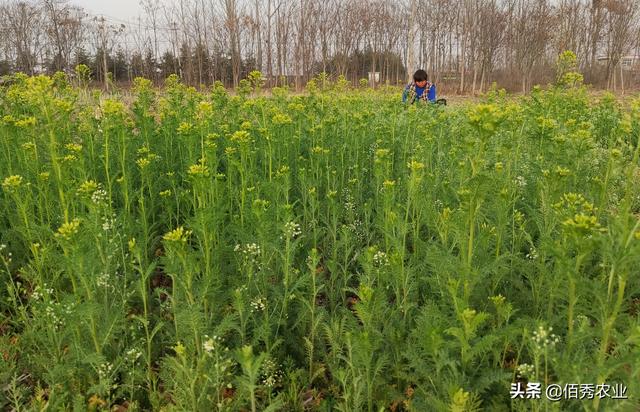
(106,37)
(489,35)
(257,32)
(476,41)
(64,31)
(531,36)
(152,9)
(24,22)
(411,60)
(619,22)
(283,29)
(572,29)
(232,25)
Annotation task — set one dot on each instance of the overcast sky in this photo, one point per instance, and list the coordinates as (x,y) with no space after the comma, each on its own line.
(120,9)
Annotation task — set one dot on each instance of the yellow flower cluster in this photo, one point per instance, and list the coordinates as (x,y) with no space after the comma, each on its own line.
(281,119)
(68,230)
(184,128)
(582,223)
(486,117)
(415,166)
(199,169)
(12,183)
(177,235)
(88,187)
(241,137)
(320,150)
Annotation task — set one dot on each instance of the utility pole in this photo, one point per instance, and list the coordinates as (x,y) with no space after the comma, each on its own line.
(103,31)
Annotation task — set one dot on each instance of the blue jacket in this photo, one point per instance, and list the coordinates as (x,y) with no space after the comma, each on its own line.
(412,93)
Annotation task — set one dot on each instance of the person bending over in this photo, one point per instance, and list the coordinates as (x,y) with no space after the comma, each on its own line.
(420,89)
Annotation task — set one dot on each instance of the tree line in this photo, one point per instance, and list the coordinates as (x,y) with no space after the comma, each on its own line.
(465,45)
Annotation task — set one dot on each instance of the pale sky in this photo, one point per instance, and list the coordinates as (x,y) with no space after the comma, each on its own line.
(119,9)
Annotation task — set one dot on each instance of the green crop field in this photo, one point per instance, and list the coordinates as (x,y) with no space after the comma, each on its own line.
(181,250)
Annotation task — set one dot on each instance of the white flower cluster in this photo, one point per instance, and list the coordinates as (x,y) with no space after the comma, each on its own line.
(99,196)
(104,370)
(582,320)
(533,254)
(133,355)
(258,305)
(521,182)
(309,262)
(525,370)
(38,293)
(250,250)
(292,230)
(104,281)
(108,223)
(210,343)
(373,147)
(250,253)
(55,311)
(7,258)
(241,290)
(543,338)
(356,229)
(271,374)
(380,259)
(349,205)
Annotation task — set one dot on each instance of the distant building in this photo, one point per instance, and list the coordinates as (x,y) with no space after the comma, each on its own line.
(39,69)
(629,62)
